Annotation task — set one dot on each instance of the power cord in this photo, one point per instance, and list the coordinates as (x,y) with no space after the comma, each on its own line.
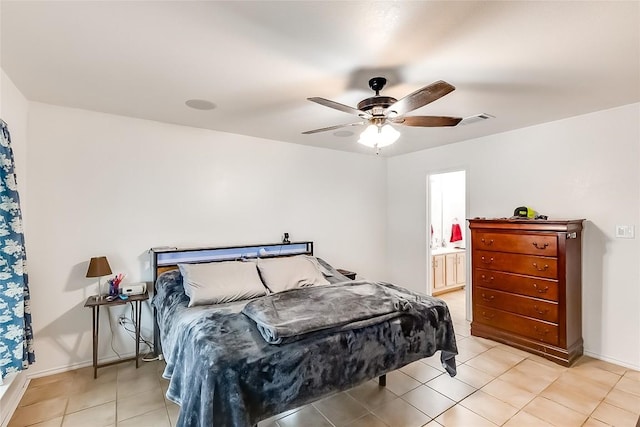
(131,332)
(111,328)
(128,323)
(129,326)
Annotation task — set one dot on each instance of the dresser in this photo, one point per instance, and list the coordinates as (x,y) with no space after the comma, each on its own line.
(526,281)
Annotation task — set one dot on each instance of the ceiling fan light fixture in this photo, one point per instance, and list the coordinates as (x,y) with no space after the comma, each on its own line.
(378,136)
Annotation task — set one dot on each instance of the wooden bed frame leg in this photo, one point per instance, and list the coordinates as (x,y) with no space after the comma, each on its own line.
(382,380)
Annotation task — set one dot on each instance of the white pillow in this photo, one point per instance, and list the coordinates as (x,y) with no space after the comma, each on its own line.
(219,282)
(280,274)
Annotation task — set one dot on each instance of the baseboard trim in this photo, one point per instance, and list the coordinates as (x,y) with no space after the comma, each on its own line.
(611,360)
(12,396)
(75,366)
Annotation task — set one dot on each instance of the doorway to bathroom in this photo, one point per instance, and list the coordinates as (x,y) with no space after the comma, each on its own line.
(447,260)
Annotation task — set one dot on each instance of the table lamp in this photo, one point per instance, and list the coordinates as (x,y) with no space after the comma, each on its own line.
(98,267)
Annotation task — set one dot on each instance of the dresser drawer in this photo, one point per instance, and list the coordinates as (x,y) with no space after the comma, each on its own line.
(518,304)
(514,283)
(536,329)
(531,244)
(523,264)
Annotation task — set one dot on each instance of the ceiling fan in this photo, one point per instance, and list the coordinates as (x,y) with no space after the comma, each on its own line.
(379,112)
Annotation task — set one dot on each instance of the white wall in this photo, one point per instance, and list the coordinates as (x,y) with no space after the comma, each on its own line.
(582,167)
(115,186)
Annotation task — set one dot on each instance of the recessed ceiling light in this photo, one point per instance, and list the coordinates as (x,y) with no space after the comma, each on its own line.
(200,104)
(343,133)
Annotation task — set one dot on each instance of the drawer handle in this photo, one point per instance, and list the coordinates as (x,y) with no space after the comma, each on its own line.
(488,243)
(546,267)
(484,278)
(487,298)
(541,290)
(539,311)
(487,316)
(483,259)
(540,245)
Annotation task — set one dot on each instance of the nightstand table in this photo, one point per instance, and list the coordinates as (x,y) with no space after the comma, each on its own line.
(350,274)
(95,303)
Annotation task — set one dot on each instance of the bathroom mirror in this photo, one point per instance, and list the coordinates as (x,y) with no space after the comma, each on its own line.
(447,210)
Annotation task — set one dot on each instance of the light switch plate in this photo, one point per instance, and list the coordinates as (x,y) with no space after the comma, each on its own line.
(625,231)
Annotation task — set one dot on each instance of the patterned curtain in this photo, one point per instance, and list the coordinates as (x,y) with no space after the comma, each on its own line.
(16,336)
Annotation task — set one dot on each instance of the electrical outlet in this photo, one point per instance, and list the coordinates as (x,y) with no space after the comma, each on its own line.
(625,231)
(122,320)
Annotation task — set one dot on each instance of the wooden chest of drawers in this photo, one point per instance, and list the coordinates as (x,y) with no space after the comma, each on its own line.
(526,284)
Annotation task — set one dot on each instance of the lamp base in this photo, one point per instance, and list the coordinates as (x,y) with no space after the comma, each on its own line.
(100,296)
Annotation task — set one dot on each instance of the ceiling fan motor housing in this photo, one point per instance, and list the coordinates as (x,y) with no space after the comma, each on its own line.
(383,102)
(376,104)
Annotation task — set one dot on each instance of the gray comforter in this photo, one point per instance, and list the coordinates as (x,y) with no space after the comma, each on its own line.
(223,373)
(289,316)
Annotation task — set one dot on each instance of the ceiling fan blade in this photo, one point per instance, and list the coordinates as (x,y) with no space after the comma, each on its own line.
(340,107)
(420,98)
(309,132)
(428,121)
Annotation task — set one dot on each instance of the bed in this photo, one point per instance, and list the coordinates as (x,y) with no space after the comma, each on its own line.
(235,362)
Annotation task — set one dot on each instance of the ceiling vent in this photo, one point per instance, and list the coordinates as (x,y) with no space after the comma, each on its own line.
(477,118)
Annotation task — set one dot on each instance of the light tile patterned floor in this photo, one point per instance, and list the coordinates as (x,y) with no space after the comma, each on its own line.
(495,385)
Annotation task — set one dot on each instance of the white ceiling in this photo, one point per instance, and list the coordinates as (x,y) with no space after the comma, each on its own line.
(523,62)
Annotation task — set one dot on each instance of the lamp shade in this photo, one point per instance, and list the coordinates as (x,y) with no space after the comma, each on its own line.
(378,136)
(98,267)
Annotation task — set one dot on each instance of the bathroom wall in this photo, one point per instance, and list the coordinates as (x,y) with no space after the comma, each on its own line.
(447,206)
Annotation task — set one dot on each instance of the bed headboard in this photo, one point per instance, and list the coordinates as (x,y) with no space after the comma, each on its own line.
(167,258)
